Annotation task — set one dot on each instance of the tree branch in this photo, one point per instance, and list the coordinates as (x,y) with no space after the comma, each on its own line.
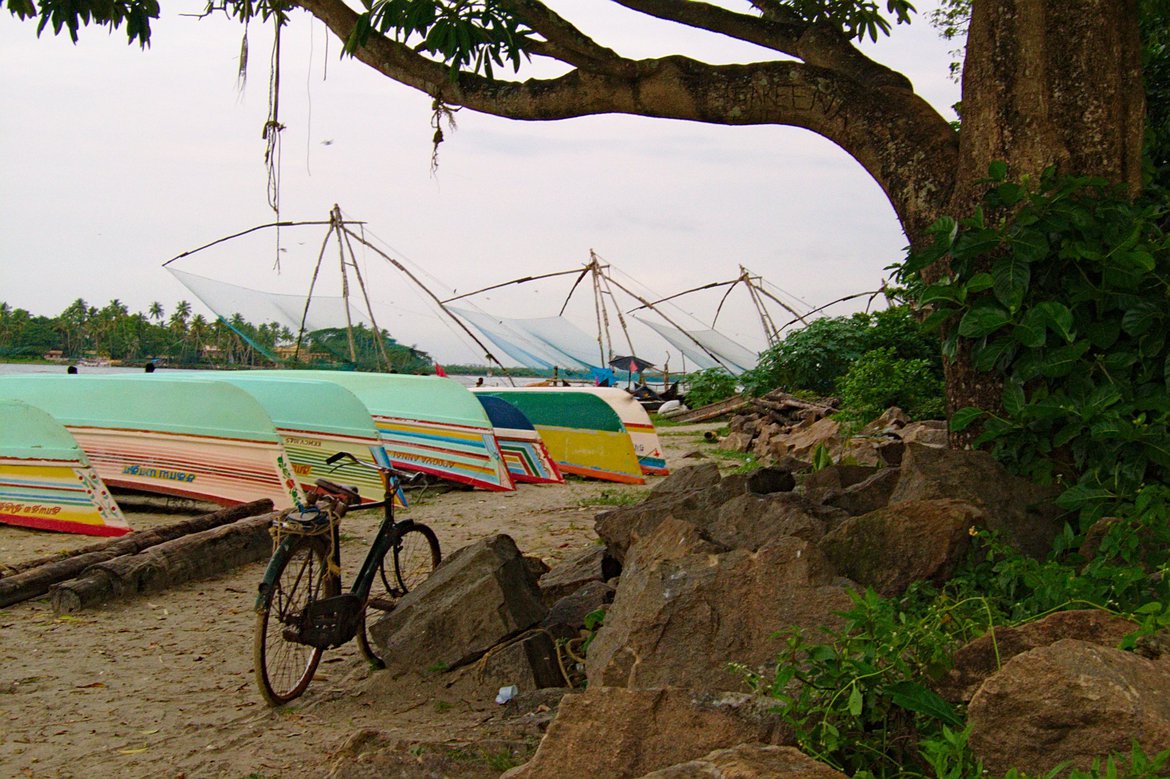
(563,41)
(907,147)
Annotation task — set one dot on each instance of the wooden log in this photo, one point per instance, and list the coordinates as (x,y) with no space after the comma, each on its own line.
(34,580)
(712,411)
(194,556)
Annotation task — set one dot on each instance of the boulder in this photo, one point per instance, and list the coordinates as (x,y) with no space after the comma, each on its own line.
(685,609)
(688,479)
(985,655)
(1071,701)
(589,564)
(753,521)
(931,432)
(890,548)
(819,485)
(750,761)
(736,442)
(566,617)
(528,663)
(802,440)
(891,420)
(621,733)
(1021,511)
(480,596)
(769,480)
(869,495)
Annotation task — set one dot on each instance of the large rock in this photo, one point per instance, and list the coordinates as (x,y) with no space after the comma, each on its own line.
(620,733)
(802,440)
(685,609)
(869,495)
(1071,701)
(688,479)
(891,548)
(480,595)
(818,486)
(566,617)
(1020,510)
(980,658)
(589,564)
(750,761)
(752,521)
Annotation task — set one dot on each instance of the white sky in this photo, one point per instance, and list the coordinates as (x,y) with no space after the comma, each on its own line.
(114,159)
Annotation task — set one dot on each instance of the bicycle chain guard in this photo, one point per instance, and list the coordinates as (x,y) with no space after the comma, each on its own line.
(330,622)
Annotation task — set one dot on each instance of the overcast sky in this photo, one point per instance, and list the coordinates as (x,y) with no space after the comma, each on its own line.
(114,159)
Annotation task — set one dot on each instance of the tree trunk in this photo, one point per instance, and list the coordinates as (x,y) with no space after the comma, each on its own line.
(1045,83)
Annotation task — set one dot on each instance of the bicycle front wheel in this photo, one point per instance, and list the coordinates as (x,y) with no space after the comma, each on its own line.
(283,665)
(412,558)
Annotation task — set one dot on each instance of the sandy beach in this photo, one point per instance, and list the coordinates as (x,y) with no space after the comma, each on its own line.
(162,685)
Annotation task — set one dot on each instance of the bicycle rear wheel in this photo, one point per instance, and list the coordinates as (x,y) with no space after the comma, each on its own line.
(401,569)
(283,665)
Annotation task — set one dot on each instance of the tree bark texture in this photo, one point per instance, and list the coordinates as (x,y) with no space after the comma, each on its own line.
(33,579)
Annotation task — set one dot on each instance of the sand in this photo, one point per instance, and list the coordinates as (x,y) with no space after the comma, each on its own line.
(162,685)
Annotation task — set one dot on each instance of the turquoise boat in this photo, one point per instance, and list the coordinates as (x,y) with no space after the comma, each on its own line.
(46,481)
(314,419)
(427,423)
(200,439)
(583,433)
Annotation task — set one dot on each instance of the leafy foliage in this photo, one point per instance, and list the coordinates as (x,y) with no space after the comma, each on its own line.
(856,19)
(709,386)
(1060,287)
(71,15)
(879,379)
(467,35)
(818,356)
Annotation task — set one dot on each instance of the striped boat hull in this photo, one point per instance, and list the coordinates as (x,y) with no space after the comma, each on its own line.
(466,455)
(527,457)
(61,495)
(219,470)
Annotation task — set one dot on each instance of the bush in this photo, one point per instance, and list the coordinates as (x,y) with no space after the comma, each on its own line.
(879,379)
(817,357)
(709,386)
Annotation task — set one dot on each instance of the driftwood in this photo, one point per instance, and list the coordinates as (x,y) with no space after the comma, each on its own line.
(711,411)
(194,556)
(34,577)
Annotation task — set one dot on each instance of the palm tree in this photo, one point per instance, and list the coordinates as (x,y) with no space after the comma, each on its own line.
(155,311)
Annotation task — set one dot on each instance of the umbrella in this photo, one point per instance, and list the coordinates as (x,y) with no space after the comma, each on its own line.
(630,363)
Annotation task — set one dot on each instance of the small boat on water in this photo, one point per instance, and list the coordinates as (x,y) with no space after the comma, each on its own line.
(582,432)
(199,439)
(46,481)
(427,423)
(635,420)
(314,419)
(524,451)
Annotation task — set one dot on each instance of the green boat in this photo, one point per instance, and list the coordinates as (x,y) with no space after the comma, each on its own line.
(584,435)
(201,439)
(46,481)
(427,423)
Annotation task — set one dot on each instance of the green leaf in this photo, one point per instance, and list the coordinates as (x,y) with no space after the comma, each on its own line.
(1011,276)
(997,170)
(982,321)
(1140,317)
(1057,317)
(921,700)
(855,701)
(979,282)
(1062,361)
(964,417)
(1014,401)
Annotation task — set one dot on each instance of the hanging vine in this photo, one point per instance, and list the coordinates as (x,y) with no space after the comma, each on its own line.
(440,113)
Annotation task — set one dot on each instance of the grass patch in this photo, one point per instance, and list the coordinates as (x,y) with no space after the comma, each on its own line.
(613,498)
(739,462)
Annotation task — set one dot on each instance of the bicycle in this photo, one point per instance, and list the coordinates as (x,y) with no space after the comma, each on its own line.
(300,609)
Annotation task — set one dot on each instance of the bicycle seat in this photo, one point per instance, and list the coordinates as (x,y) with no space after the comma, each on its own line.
(350,494)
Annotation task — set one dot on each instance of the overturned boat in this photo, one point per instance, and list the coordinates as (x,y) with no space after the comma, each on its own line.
(46,481)
(198,439)
(527,457)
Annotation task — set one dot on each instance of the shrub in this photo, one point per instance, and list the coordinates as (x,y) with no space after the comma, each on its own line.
(816,357)
(709,386)
(879,379)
